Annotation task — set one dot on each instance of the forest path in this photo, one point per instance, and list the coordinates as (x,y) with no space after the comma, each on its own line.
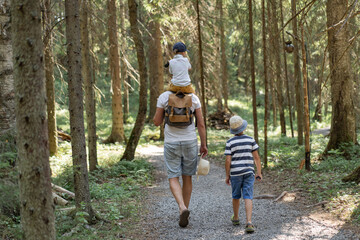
(211,209)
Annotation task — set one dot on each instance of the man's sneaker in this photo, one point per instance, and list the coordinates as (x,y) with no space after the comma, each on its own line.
(249,228)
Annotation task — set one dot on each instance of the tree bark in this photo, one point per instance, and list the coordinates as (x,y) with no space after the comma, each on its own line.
(217,81)
(123,71)
(354,176)
(278,80)
(306,102)
(286,73)
(265,83)
(224,72)
(342,87)
(37,209)
(201,62)
(117,130)
(7,94)
(272,67)
(50,80)
(90,105)
(156,66)
(141,116)
(252,65)
(76,109)
(298,83)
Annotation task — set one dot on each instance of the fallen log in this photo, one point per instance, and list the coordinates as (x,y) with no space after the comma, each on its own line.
(318,204)
(59,200)
(63,190)
(265,196)
(63,136)
(281,196)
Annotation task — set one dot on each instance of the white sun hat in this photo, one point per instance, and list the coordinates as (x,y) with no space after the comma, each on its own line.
(237,124)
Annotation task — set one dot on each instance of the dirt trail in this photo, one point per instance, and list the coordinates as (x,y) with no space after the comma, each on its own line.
(211,209)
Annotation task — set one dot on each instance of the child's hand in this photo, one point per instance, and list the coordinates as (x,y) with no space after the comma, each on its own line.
(227,180)
(258,177)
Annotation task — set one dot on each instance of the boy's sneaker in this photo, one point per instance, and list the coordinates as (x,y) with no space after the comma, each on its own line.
(249,228)
(235,222)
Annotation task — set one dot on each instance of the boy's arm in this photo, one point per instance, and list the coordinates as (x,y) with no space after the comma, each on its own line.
(257,164)
(227,169)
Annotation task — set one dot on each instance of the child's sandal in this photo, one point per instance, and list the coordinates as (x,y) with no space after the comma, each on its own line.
(235,222)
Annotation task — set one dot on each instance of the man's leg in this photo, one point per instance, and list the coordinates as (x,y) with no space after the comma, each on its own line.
(177,193)
(187,189)
(248,209)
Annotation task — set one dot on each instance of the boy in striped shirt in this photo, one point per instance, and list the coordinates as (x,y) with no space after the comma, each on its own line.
(241,153)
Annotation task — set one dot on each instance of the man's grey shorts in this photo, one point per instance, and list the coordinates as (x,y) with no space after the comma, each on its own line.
(181,158)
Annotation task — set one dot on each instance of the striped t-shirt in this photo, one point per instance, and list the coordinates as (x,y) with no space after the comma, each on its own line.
(240,148)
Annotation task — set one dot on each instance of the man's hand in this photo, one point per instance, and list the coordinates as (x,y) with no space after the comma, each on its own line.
(203,151)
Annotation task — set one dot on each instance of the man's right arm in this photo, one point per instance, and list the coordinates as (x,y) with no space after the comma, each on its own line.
(159,116)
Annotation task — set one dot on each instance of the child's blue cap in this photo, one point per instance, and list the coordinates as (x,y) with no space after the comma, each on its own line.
(179,47)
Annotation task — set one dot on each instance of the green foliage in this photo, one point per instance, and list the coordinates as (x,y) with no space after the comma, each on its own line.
(115,188)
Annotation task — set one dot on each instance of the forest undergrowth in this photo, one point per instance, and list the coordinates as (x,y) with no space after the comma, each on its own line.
(117,186)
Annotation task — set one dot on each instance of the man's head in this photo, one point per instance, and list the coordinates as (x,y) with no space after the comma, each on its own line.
(179,47)
(237,125)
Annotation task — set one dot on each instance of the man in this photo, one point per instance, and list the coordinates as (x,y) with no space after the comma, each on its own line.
(180,153)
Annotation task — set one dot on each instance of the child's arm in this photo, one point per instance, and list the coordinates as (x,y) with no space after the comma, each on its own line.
(258,164)
(227,169)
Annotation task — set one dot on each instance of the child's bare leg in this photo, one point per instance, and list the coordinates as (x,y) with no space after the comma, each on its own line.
(248,209)
(236,206)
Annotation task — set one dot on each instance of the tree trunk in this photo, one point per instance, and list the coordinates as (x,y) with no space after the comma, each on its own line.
(286,73)
(37,209)
(224,73)
(306,102)
(265,82)
(252,65)
(278,80)
(201,62)
(90,105)
(298,84)
(7,94)
(156,67)
(140,119)
(271,67)
(117,130)
(354,176)
(50,80)
(218,64)
(123,70)
(76,109)
(342,86)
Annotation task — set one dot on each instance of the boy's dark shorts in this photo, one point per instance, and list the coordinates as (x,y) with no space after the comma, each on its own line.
(242,185)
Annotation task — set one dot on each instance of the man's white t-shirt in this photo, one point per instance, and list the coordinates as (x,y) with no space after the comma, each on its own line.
(179,67)
(175,134)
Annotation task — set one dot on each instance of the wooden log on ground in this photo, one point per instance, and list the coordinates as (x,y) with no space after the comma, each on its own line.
(63,136)
(63,190)
(281,196)
(265,196)
(59,200)
(318,204)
